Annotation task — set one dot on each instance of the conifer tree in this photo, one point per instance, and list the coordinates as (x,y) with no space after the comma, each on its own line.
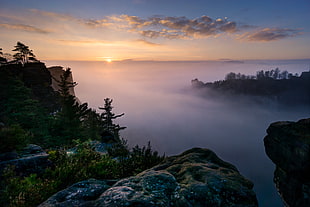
(110,129)
(23,53)
(72,113)
(2,59)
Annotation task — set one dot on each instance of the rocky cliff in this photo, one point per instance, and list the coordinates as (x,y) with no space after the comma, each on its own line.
(288,146)
(56,73)
(196,177)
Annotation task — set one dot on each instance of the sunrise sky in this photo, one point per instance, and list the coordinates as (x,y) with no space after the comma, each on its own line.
(164,30)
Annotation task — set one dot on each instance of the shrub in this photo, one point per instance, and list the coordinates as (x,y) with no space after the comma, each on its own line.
(12,138)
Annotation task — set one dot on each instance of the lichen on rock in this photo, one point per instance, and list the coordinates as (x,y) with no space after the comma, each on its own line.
(196,177)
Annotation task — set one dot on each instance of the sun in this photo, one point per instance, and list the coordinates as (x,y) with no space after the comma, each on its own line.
(107,59)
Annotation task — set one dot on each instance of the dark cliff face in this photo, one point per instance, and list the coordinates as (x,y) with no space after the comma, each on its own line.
(288,146)
(36,77)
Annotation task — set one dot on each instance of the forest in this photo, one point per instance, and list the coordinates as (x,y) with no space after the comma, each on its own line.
(281,87)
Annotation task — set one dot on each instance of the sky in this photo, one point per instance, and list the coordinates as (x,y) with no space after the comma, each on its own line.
(158,30)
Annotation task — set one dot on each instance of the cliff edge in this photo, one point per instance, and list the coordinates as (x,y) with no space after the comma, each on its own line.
(288,146)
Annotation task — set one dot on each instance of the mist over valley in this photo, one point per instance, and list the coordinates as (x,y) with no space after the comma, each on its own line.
(161,107)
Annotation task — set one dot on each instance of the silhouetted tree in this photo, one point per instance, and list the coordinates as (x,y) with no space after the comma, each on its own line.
(230,76)
(2,59)
(23,53)
(260,74)
(92,125)
(284,75)
(72,113)
(276,73)
(110,130)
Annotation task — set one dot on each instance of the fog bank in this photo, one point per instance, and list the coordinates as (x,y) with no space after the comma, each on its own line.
(160,107)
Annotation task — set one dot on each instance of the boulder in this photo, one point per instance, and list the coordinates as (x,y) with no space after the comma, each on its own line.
(80,194)
(31,159)
(196,177)
(287,144)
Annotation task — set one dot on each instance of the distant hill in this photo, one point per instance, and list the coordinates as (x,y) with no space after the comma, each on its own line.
(281,87)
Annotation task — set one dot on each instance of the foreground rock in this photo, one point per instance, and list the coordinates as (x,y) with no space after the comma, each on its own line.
(32,159)
(81,193)
(196,177)
(288,146)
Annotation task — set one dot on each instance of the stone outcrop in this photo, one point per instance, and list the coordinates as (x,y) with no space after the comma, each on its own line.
(196,177)
(56,73)
(80,194)
(32,159)
(288,146)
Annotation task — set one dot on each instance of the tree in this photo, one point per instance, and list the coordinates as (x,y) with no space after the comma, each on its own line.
(260,75)
(2,59)
(23,53)
(230,76)
(276,73)
(71,115)
(110,130)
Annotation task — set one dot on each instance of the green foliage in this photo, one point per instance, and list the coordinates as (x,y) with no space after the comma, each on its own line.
(91,125)
(12,138)
(24,191)
(68,121)
(135,160)
(18,108)
(142,158)
(68,169)
(84,164)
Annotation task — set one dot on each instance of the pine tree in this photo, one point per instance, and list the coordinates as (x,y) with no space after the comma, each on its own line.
(110,130)
(72,113)
(2,59)
(24,54)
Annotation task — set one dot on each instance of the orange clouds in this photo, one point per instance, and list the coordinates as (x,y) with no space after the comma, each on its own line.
(23,27)
(166,27)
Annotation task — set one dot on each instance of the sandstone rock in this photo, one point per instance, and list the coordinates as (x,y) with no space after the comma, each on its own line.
(79,194)
(56,73)
(288,146)
(196,177)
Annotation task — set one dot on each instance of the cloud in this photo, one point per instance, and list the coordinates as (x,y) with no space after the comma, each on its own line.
(53,14)
(148,43)
(23,27)
(270,34)
(167,27)
(85,42)
(93,42)
(180,27)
